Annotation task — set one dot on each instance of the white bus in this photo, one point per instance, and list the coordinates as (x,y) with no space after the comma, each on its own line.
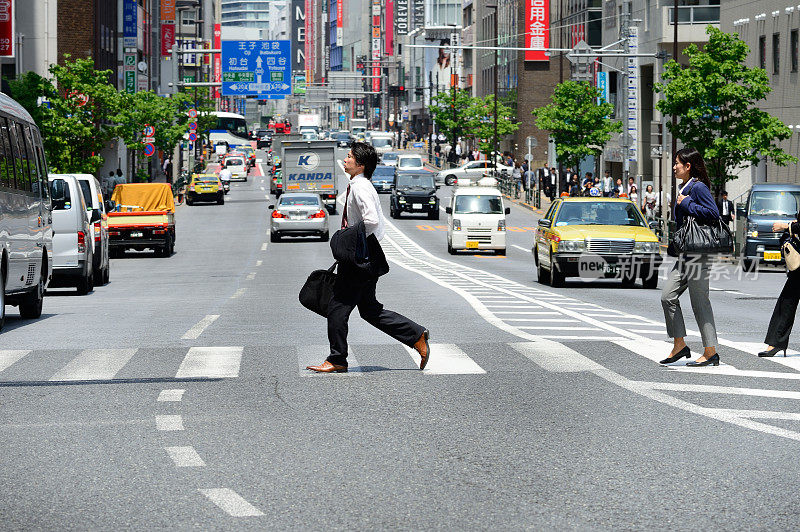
(26,235)
(230,129)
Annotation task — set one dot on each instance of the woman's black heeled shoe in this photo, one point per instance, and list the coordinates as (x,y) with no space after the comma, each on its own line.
(685,352)
(772,352)
(713,361)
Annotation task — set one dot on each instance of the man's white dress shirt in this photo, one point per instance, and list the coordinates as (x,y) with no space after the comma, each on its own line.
(362,203)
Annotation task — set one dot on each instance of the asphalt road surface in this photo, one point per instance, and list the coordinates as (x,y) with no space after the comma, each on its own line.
(175,396)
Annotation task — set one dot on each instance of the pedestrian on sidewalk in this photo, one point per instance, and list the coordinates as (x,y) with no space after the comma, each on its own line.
(692,272)
(608,184)
(780,325)
(437,152)
(516,178)
(355,284)
(725,207)
(650,203)
(553,183)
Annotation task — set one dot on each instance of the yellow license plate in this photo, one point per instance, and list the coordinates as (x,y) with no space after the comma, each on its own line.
(472,244)
(772,255)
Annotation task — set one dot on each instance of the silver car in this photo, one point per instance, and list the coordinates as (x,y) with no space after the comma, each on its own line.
(298,214)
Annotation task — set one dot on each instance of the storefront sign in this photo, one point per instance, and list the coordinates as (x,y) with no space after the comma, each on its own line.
(388,28)
(130,11)
(401,16)
(217,59)
(168,11)
(6,29)
(537,29)
(167,39)
(376,45)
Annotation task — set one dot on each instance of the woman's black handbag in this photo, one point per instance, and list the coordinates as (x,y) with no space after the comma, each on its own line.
(695,238)
(317,293)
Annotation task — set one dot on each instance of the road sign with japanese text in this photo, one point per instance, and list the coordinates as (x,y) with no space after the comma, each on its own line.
(257,68)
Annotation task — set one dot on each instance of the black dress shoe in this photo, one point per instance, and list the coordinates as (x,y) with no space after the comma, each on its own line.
(772,352)
(713,361)
(685,352)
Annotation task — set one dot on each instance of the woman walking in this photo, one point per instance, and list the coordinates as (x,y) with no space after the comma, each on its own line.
(694,199)
(780,326)
(650,200)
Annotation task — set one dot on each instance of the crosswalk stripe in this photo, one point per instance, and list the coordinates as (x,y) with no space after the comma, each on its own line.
(312,355)
(231,502)
(728,390)
(589,338)
(555,357)
(175,395)
(185,456)
(655,350)
(94,364)
(211,362)
(551,328)
(169,423)
(201,326)
(792,361)
(446,359)
(9,357)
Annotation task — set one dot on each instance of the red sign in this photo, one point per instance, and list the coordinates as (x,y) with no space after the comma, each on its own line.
(537,29)
(6,28)
(168,10)
(167,39)
(217,58)
(389,28)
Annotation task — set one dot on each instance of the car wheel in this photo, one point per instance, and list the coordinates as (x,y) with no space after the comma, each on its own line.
(107,274)
(450,180)
(650,282)
(84,285)
(628,281)
(189,201)
(166,250)
(542,275)
(30,307)
(274,237)
(500,251)
(450,249)
(2,298)
(433,215)
(325,237)
(556,277)
(221,200)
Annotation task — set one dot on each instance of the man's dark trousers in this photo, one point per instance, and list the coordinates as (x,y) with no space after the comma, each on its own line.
(356,288)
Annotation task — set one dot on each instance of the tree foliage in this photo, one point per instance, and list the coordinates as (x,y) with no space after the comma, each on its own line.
(506,125)
(715,100)
(579,125)
(167,115)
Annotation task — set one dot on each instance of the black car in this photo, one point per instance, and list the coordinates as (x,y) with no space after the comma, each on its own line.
(342,138)
(263,139)
(383,178)
(414,192)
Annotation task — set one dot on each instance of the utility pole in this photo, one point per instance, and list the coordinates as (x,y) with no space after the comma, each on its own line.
(496,61)
(674,117)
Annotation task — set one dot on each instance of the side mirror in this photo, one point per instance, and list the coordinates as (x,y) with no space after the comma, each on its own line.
(508,210)
(95,217)
(448,210)
(110,205)
(438,187)
(271,207)
(544,222)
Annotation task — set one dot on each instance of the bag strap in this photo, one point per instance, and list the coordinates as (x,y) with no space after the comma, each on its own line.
(333,266)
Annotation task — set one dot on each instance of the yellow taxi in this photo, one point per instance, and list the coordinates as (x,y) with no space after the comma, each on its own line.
(205,187)
(594,238)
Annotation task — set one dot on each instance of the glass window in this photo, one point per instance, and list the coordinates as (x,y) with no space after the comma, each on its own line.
(774,203)
(6,158)
(59,190)
(762,51)
(601,213)
(86,189)
(42,161)
(793,49)
(776,53)
(411,181)
(33,172)
(479,205)
(312,201)
(19,157)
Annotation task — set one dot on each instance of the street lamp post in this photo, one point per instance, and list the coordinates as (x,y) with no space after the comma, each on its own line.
(495,143)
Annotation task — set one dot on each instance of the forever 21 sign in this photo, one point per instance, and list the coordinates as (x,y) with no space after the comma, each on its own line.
(401,17)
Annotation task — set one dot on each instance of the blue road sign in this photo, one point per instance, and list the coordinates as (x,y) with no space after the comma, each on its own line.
(256,68)
(193,136)
(149,150)
(192,125)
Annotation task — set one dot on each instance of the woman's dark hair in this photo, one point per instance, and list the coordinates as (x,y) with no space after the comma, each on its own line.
(698,166)
(366,156)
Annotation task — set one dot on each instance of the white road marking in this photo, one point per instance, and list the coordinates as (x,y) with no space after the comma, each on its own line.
(655,350)
(529,312)
(185,456)
(262,188)
(728,370)
(446,359)
(94,364)
(259,262)
(197,330)
(526,250)
(576,338)
(251,276)
(555,357)
(552,328)
(231,502)
(557,320)
(761,414)
(312,355)
(728,390)
(174,395)
(238,293)
(753,348)
(649,331)
(211,362)
(169,423)
(264,246)
(9,357)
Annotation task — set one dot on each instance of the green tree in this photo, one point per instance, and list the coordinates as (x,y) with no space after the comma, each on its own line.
(714,100)
(166,115)
(76,125)
(484,130)
(579,125)
(454,113)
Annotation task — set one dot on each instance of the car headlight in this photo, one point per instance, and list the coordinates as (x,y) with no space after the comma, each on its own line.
(646,247)
(432,200)
(572,246)
(456,224)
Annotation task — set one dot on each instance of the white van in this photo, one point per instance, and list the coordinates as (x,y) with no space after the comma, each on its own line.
(90,187)
(381,141)
(237,164)
(476,220)
(72,234)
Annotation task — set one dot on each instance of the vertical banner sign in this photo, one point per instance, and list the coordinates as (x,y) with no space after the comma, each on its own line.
(129,69)
(298,36)
(602,84)
(6,29)
(401,16)
(339,22)
(419,13)
(129,23)
(376,45)
(537,26)
(217,59)
(168,11)
(388,27)
(309,39)
(633,91)
(167,38)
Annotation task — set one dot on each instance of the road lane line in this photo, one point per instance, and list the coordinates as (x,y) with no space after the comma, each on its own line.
(312,355)
(264,246)
(557,320)
(173,395)
(526,250)
(446,359)
(185,456)
(94,364)
(211,362)
(9,357)
(238,293)
(251,276)
(197,330)
(761,414)
(231,502)
(169,423)
(555,357)
(259,262)
(728,370)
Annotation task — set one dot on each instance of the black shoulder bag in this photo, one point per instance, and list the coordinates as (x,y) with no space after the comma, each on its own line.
(317,292)
(696,238)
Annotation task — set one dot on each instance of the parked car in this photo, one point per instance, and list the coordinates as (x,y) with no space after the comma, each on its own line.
(101,264)
(414,192)
(298,214)
(476,220)
(596,237)
(383,178)
(72,232)
(472,170)
(205,187)
(410,162)
(766,204)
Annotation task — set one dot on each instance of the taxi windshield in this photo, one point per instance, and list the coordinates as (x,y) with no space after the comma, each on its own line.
(599,213)
(478,205)
(299,200)
(774,203)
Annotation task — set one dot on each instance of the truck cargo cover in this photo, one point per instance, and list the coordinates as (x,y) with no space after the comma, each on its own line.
(144,197)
